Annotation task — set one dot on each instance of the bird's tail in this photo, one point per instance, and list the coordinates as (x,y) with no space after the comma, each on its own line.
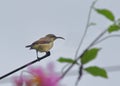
(28,46)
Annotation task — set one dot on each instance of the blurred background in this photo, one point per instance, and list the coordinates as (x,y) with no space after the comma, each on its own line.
(25,21)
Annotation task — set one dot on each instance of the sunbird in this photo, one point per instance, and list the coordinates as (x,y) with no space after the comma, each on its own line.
(44,44)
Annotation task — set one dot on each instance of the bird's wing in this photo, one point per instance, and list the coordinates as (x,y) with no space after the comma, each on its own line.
(42,41)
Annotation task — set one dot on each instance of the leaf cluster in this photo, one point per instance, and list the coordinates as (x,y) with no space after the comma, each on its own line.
(91,54)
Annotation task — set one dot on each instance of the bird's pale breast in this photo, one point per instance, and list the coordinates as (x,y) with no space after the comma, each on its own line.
(43,47)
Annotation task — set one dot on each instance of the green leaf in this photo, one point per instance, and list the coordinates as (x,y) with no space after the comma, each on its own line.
(89,55)
(113,28)
(107,13)
(65,60)
(96,71)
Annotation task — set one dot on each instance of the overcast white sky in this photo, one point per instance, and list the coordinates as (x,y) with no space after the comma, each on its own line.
(24,21)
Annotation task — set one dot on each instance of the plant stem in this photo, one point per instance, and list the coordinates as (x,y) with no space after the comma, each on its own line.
(86,28)
(96,39)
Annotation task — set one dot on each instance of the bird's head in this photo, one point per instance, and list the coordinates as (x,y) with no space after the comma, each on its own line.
(53,37)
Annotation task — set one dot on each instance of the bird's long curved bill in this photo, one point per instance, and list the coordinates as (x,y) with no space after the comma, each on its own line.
(60,38)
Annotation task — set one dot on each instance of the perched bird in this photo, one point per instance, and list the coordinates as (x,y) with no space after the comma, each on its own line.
(44,44)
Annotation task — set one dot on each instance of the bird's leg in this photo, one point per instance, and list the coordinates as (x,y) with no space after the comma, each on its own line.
(37,54)
(47,53)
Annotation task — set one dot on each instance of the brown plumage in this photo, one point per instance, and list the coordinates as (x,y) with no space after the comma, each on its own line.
(44,44)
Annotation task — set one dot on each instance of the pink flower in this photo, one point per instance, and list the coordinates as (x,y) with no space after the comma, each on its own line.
(37,76)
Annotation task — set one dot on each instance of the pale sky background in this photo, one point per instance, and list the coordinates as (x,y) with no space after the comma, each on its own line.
(24,21)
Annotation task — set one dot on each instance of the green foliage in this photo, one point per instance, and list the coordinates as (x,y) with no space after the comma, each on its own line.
(107,13)
(65,60)
(113,28)
(96,71)
(89,55)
